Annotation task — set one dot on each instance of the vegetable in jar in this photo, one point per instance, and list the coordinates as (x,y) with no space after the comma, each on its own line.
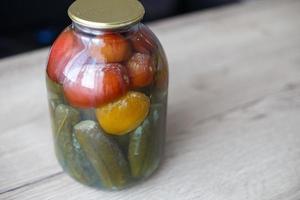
(107,82)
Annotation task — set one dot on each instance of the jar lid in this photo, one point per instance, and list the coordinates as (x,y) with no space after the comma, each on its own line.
(106,14)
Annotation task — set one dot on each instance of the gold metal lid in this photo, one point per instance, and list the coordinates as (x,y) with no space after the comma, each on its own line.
(106,14)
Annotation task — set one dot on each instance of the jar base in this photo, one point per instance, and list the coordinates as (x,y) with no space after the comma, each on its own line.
(131,183)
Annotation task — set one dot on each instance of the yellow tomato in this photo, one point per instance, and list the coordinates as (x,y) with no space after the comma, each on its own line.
(124,115)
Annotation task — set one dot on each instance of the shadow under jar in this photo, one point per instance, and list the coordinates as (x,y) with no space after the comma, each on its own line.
(107,82)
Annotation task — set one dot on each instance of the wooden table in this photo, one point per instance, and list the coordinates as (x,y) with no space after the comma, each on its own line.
(233,121)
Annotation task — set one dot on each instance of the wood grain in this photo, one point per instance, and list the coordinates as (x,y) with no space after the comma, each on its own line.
(233,125)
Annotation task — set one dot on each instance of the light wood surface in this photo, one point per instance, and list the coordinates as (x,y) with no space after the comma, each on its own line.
(233,121)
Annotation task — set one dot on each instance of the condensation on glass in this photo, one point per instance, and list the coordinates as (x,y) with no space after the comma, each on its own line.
(107,82)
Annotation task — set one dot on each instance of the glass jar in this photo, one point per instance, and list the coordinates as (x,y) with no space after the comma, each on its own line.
(107,82)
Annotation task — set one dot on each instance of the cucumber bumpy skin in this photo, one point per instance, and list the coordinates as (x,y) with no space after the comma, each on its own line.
(68,151)
(104,154)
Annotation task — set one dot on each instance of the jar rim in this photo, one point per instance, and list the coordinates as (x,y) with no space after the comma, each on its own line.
(106,14)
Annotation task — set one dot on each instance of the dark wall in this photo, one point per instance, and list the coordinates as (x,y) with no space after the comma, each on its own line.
(31,24)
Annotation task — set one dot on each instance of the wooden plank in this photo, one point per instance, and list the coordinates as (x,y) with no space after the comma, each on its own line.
(26,149)
(220,61)
(248,153)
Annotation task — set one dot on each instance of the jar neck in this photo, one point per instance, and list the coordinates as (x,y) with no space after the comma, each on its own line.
(95,31)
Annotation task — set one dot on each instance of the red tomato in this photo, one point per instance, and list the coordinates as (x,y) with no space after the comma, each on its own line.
(94,85)
(141,68)
(113,83)
(144,41)
(62,50)
(80,96)
(110,48)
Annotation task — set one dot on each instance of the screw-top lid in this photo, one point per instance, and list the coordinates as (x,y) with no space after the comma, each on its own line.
(106,14)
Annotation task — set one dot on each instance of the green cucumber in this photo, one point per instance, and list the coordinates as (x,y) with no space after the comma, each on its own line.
(53,86)
(104,154)
(68,150)
(123,142)
(55,97)
(139,148)
(146,143)
(87,114)
(156,140)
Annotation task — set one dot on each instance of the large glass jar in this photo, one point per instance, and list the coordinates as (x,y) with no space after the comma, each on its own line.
(107,81)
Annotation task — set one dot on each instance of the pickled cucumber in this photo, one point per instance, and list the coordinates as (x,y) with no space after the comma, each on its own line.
(87,114)
(156,139)
(138,148)
(53,87)
(104,154)
(55,97)
(146,142)
(67,149)
(123,142)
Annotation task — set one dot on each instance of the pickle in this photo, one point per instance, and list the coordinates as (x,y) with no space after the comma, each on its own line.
(55,97)
(55,93)
(104,154)
(156,140)
(158,96)
(81,167)
(67,148)
(87,114)
(146,143)
(55,89)
(144,90)
(123,142)
(138,148)
(53,103)
(162,73)
(65,118)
